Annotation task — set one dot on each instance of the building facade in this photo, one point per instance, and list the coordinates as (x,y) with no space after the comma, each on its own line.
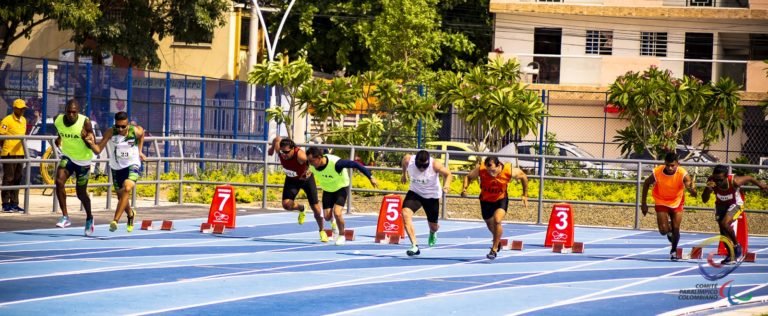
(591,42)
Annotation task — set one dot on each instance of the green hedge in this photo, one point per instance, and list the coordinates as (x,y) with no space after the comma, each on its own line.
(554,189)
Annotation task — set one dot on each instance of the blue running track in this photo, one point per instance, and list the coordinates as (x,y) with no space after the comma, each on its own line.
(270,265)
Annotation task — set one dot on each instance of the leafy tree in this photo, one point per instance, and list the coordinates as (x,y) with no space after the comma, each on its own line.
(360,35)
(405,38)
(492,101)
(661,109)
(328,100)
(19,17)
(132,28)
(291,77)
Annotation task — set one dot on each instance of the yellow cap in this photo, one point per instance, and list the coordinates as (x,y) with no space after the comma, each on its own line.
(19,104)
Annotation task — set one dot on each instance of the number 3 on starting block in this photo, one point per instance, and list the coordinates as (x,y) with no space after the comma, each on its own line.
(560,228)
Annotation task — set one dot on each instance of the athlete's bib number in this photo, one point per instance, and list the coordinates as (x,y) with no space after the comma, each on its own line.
(290,173)
(123,153)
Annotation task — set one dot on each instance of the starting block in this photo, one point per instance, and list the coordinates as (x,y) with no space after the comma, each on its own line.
(503,243)
(389,239)
(558,247)
(516,245)
(696,253)
(206,228)
(146,225)
(679,254)
(349,234)
(219,228)
(167,225)
(578,247)
(329,232)
(750,257)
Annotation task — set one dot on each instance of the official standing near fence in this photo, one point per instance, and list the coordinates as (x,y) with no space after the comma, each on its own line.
(13,125)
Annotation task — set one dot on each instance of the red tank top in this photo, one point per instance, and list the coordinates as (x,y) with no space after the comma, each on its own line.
(292,167)
(729,196)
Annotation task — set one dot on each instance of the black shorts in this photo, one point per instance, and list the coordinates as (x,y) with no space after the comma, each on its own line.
(128,173)
(81,173)
(489,208)
(414,201)
(334,198)
(723,211)
(292,186)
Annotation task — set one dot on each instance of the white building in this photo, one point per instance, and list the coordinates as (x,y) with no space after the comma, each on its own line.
(591,42)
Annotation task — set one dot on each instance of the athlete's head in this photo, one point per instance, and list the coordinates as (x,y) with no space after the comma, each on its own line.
(493,165)
(670,162)
(286,147)
(121,122)
(71,110)
(315,157)
(719,174)
(422,160)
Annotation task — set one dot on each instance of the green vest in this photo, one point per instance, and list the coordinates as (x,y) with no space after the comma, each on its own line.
(329,180)
(72,144)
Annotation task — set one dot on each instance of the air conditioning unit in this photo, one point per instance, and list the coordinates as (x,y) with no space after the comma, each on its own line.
(702,3)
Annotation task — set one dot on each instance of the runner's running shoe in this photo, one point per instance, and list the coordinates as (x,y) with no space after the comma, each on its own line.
(340,240)
(301,215)
(323,236)
(432,239)
(113,226)
(64,222)
(131,217)
(491,255)
(414,251)
(89,227)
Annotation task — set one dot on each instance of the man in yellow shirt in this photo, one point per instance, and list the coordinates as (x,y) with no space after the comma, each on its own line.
(13,124)
(669,184)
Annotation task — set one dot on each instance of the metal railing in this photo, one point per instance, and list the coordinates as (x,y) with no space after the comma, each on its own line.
(266,162)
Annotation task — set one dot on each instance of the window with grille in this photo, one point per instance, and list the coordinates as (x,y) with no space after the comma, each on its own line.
(653,44)
(599,42)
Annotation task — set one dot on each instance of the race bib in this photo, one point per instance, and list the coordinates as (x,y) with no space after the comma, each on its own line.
(123,153)
(290,173)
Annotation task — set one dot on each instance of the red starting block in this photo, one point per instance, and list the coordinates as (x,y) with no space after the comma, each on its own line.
(146,225)
(516,245)
(559,247)
(750,257)
(696,253)
(329,232)
(393,239)
(503,243)
(349,234)
(167,225)
(206,228)
(578,247)
(679,253)
(219,228)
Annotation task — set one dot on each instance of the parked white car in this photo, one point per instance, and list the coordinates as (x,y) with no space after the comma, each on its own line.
(562,149)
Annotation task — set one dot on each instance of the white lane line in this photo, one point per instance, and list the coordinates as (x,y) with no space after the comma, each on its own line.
(458,291)
(107,269)
(584,297)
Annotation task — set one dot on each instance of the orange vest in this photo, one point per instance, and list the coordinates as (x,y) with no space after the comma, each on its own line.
(493,189)
(669,189)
